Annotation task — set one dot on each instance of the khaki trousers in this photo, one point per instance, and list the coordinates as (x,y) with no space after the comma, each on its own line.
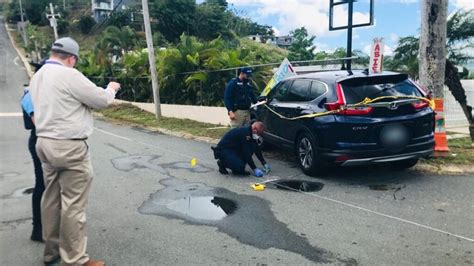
(241,118)
(67,176)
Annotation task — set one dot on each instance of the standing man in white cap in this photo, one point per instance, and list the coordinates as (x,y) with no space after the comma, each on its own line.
(63,98)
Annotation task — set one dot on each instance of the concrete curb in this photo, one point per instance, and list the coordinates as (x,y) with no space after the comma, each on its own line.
(18,51)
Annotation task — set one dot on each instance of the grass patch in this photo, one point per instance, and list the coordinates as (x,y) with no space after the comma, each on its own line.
(461,152)
(133,114)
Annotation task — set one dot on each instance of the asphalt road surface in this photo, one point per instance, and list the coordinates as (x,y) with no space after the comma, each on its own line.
(149,205)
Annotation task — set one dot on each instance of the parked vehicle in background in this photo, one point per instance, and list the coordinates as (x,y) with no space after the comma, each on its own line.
(396,128)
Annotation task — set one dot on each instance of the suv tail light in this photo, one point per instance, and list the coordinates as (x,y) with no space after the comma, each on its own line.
(427,94)
(420,105)
(341,101)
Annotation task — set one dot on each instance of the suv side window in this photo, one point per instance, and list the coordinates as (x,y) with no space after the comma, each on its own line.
(300,91)
(281,92)
(317,89)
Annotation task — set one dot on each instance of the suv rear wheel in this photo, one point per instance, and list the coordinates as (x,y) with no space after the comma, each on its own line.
(306,154)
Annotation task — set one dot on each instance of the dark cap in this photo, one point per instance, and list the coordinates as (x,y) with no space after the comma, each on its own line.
(39,64)
(66,45)
(246,70)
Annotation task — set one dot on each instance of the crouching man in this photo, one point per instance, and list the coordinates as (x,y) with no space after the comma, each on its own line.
(234,151)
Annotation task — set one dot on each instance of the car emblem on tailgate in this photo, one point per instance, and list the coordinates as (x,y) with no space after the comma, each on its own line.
(393,106)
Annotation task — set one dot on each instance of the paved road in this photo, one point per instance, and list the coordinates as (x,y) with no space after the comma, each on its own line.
(149,206)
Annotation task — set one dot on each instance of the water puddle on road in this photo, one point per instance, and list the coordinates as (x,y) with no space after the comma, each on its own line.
(248,219)
(298,185)
(203,208)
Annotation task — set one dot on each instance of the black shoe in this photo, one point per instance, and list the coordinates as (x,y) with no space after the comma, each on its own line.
(37,236)
(222,169)
(54,262)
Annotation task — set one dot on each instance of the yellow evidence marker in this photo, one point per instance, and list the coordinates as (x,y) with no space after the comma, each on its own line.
(193,162)
(258,187)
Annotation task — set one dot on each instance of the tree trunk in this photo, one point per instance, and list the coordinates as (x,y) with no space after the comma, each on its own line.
(454,84)
(433,45)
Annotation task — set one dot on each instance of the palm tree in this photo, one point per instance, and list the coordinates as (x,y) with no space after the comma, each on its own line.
(118,41)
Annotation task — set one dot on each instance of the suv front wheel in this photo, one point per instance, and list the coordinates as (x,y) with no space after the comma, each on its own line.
(306,154)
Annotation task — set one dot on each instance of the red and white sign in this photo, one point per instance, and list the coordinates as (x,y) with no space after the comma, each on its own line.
(376,56)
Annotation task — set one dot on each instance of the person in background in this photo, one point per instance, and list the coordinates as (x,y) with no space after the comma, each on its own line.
(28,119)
(235,149)
(238,97)
(63,98)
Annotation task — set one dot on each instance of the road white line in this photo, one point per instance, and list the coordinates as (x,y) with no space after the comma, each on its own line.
(112,134)
(15,61)
(315,195)
(11,114)
(390,216)
(152,145)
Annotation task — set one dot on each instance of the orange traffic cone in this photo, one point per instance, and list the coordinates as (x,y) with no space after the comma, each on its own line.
(441,141)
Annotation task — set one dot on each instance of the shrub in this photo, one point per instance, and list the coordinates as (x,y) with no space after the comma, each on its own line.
(86,23)
(62,26)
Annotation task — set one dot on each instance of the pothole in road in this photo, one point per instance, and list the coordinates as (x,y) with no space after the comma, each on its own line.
(28,191)
(298,185)
(21,192)
(380,187)
(203,208)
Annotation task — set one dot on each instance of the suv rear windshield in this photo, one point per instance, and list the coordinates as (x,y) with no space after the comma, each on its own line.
(357,89)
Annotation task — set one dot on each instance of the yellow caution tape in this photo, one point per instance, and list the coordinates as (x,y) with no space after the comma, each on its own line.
(365,102)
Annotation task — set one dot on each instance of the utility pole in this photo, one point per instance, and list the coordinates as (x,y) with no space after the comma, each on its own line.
(151,58)
(23,31)
(52,20)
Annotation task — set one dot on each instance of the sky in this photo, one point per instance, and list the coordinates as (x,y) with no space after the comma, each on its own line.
(392,19)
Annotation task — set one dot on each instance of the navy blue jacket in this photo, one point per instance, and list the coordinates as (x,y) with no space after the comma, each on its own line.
(239,95)
(240,140)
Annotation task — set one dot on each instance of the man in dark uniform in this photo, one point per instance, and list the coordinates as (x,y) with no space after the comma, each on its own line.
(235,149)
(28,118)
(238,97)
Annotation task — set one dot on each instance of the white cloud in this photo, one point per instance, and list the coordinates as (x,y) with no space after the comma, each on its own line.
(276,31)
(324,47)
(464,4)
(292,14)
(393,37)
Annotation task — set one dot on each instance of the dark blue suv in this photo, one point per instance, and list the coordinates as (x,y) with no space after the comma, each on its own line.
(398,129)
